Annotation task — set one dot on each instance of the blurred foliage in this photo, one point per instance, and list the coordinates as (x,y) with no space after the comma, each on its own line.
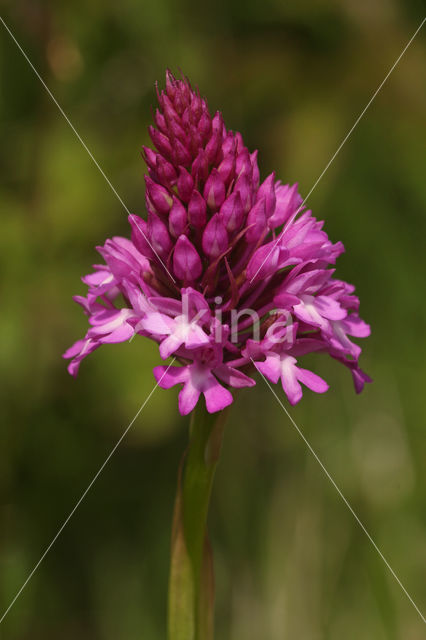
(291,561)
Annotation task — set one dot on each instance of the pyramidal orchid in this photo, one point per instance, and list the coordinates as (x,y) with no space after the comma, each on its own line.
(227,274)
(220,266)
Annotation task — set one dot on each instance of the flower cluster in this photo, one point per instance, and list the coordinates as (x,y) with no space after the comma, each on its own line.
(226,274)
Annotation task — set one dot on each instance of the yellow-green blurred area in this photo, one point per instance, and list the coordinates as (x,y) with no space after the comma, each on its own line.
(291,561)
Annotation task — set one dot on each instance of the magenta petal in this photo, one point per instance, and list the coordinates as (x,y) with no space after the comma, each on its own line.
(196,337)
(74,349)
(264,262)
(98,278)
(311,380)
(270,368)
(136,296)
(292,388)
(168,377)
(217,397)
(169,306)
(107,321)
(357,327)
(359,378)
(120,334)
(157,323)
(197,304)
(188,398)
(169,345)
(289,380)
(330,308)
(285,300)
(233,377)
(78,351)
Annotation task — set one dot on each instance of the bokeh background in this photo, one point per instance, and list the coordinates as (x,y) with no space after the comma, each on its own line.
(291,562)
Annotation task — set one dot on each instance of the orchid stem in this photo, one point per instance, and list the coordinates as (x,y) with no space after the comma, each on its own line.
(191,584)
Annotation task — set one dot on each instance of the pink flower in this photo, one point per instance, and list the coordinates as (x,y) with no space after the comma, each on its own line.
(225,274)
(282,366)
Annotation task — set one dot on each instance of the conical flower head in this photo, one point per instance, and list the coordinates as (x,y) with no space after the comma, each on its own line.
(226,274)
(202,184)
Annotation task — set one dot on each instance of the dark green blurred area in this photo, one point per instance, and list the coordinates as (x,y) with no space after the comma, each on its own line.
(291,561)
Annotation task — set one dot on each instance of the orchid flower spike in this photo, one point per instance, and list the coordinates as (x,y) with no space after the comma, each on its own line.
(226,274)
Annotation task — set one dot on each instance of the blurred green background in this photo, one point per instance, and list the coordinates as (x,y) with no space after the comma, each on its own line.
(291,562)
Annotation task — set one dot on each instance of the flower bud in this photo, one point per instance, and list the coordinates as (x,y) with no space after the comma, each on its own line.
(159,196)
(214,190)
(204,126)
(185,184)
(177,218)
(139,235)
(226,168)
(215,142)
(160,141)
(263,262)
(181,153)
(176,132)
(164,170)
(239,142)
(256,221)
(255,168)
(150,157)
(180,103)
(169,111)
(229,145)
(243,165)
(232,212)
(160,121)
(267,191)
(170,84)
(215,237)
(243,186)
(196,107)
(159,236)
(200,166)
(197,209)
(288,200)
(186,261)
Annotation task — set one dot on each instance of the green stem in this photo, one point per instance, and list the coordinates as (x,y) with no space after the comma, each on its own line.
(191,587)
